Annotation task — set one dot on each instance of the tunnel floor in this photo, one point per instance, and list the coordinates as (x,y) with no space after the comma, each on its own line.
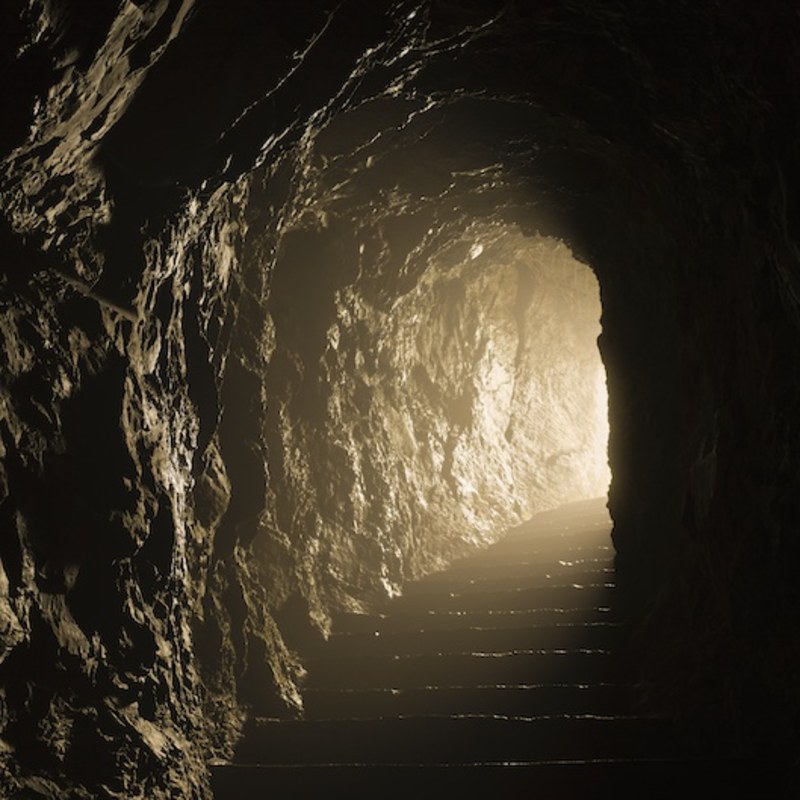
(510,673)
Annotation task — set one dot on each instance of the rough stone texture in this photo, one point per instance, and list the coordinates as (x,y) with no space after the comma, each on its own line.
(219,221)
(400,434)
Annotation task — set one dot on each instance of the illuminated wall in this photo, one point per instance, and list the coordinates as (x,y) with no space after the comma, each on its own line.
(426,425)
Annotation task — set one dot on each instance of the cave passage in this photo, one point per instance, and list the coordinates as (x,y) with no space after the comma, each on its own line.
(298,309)
(410,431)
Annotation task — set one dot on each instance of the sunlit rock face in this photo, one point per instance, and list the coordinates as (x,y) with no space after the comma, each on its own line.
(273,281)
(411,428)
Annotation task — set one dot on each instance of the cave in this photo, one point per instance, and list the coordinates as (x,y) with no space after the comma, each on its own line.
(303,303)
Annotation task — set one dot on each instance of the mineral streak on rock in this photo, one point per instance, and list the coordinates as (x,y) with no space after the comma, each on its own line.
(280,305)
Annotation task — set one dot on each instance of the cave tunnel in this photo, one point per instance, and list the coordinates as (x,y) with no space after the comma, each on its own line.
(303,306)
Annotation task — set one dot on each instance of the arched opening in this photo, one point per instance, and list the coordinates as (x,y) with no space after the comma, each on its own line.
(407,429)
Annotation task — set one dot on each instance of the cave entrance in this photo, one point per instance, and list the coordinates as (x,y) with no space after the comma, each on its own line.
(500,377)
(417,413)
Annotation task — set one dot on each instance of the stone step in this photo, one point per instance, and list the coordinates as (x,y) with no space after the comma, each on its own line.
(516,599)
(544,577)
(543,549)
(429,620)
(559,524)
(464,669)
(519,568)
(655,779)
(589,513)
(486,640)
(456,740)
(587,528)
(511,700)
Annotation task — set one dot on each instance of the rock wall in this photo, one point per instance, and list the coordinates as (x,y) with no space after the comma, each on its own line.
(400,434)
(233,234)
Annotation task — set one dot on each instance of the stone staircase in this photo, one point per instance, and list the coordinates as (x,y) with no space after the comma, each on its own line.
(506,674)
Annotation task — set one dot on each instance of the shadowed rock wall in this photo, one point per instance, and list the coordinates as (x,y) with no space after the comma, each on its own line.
(173,172)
